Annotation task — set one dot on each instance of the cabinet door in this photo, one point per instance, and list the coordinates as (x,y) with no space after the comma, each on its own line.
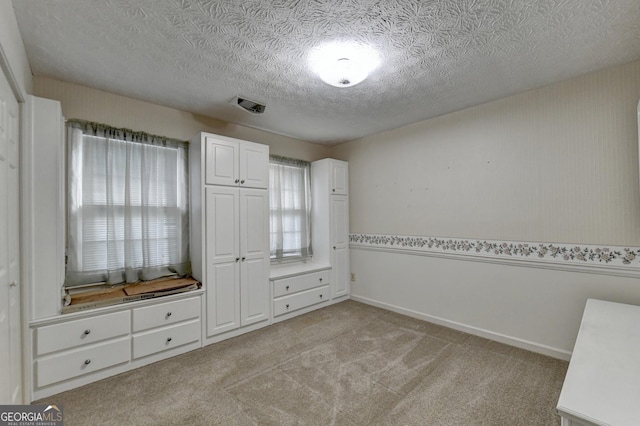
(221,162)
(339,245)
(222,254)
(222,212)
(254,296)
(339,221)
(341,271)
(339,178)
(254,249)
(254,165)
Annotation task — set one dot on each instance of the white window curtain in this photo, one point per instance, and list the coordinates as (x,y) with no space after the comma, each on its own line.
(128,205)
(290,208)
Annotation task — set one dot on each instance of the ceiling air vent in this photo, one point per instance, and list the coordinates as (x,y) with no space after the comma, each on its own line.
(252,107)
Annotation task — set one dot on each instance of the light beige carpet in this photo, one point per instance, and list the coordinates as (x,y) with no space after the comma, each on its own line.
(348,364)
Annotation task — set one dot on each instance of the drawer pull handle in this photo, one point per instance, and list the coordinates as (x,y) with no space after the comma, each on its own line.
(168,314)
(287,287)
(87,361)
(87,331)
(287,306)
(169,339)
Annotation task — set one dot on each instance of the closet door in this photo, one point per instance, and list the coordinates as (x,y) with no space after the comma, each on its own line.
(254,262)
(223,259)
(10,317)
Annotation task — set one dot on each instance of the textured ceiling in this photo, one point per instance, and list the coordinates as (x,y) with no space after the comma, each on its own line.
(436,56)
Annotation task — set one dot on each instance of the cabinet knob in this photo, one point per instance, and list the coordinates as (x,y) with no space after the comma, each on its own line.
(320,296)
(320,279)
(237,259)
(87,361)
(334,247)
(242,181)
(287,288)
(287,306)
(333,190)
(244,258)
(237,180)
(168,314)
(13,284)
(169,339)
(87,331)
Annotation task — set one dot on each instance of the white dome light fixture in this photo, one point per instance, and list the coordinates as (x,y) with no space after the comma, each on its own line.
(343,64)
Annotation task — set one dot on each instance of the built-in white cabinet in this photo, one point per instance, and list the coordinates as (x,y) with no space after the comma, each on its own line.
(230,233)
(236,163)
(43,207)
(299,288)
(330,183)
(339,177)
(72,350)
(165,326)
(339,234)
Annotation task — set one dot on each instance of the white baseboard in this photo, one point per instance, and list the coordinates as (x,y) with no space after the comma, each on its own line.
(508,340)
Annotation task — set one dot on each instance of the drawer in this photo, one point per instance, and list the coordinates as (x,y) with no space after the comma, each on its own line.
(165,314)
(165,338)
(300,300)
(300,283)
(81,361)
(66,335)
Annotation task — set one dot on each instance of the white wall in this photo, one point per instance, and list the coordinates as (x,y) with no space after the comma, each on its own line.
(86,103)
(554,165)
(533,308)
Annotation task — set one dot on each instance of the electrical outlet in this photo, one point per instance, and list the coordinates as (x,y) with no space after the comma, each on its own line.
(353,276)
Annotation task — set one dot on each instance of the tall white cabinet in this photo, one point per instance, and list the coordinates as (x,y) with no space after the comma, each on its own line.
(330,192)
(230,233)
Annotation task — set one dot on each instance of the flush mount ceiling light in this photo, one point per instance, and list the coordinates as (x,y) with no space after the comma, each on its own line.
(343,64)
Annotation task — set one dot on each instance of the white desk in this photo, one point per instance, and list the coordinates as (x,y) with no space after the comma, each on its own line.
(602,385)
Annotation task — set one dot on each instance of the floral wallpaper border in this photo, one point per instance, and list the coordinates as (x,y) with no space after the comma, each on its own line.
(568,254)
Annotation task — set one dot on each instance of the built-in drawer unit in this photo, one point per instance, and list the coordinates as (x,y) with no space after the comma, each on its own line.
(71,351)
(301,300)
(165,338)
(285,286)
(165,314)
(67,335)
(69,364)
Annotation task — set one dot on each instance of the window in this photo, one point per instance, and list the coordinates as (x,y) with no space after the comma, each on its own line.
(290,209)
(128,206)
